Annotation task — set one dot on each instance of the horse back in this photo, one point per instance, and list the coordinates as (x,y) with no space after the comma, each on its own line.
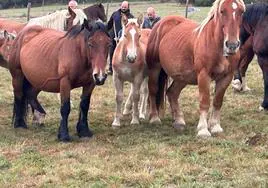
(158,32)
(11,26)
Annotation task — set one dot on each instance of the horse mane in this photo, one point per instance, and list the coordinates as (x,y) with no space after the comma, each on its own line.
(80,16)
(94,25)
(213,14)
(57,20)
(255,13)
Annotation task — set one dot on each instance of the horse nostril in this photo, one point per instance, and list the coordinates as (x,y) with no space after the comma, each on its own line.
(238,43)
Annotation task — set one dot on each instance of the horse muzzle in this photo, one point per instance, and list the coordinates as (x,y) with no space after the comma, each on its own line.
(231,47)
(99,78)
(131,58)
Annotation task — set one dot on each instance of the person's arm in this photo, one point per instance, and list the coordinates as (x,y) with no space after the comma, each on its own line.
(110,22)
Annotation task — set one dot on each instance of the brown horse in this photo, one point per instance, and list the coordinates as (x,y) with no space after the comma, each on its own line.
(61,20)
(194,54)
(129,65)
(95,12)
(52,61)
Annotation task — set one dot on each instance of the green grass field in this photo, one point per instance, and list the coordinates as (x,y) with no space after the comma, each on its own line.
(135,156)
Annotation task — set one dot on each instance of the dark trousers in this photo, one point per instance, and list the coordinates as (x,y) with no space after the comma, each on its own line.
(113,48)
(112,53)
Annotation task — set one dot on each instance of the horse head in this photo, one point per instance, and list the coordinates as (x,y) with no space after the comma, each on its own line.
(6,42)
(229,15)
(131,34)
(101,12)
(97,44)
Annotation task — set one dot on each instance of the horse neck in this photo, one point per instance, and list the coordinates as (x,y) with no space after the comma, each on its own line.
(213,34)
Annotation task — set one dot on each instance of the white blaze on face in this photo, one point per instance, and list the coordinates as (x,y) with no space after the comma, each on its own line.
(234,15)
(133,49)
(234,5)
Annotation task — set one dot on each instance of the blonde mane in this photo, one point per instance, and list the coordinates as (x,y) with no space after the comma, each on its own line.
(57,20)
(213,13)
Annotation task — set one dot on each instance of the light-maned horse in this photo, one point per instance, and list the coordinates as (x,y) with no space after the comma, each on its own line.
(61,20)
(96,12)
(194,54)
(129,65)
(59,62)
(254,40)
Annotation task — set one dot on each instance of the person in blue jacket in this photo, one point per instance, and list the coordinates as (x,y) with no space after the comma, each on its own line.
(115,27)
(151,19)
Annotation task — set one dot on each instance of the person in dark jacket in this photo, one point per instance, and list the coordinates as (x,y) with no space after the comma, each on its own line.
(151,19)
(115,27)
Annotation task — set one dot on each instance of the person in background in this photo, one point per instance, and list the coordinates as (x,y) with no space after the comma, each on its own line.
(72,4)
(151,19)
(115,27)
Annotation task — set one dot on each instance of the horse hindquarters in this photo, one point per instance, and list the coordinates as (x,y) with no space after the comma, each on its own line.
(263,63)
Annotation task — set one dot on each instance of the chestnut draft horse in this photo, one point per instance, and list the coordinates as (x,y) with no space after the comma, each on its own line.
(58,63)
(254,40)
(194,54)
(95,12)
(129,65)
(60,20)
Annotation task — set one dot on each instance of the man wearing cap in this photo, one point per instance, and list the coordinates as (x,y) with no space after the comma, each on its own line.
(151,19)
(72,4)
(114,27)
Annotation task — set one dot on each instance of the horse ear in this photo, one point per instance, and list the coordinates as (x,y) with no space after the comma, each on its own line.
(140,20)
(124,20)
(5,34)
(100,5)
(71,12)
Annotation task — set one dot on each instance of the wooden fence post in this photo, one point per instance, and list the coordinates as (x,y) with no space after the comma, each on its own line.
(29,9)
(186,8)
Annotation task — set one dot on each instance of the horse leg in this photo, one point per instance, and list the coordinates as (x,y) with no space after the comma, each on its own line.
(204,100)
(153,88)
(173,94)
(239,81)
(128,105)
(20,103)
(119,99)
(220,88)
(144,98)
(82,125)
(38,111)
(263,63)
(65,89)
(136,97)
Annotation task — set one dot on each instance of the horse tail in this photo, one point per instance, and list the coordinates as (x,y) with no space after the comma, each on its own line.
(160,96)
(152,55)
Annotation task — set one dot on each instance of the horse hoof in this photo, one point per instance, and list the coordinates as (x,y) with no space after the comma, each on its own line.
(261,109)
(237,85)
(142,116)
(246,89)
(83,130)
(64,138)
(203,133)
(216,129)
(21,124)
(134,122)
(179,127)
(116,124)
(155,121)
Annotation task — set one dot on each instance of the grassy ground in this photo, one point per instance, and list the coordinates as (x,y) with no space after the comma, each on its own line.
(136,156)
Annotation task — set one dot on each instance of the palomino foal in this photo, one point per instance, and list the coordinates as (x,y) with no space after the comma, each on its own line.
(129,65)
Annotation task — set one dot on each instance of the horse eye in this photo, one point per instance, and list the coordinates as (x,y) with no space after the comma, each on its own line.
(125,35)
(90,44)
